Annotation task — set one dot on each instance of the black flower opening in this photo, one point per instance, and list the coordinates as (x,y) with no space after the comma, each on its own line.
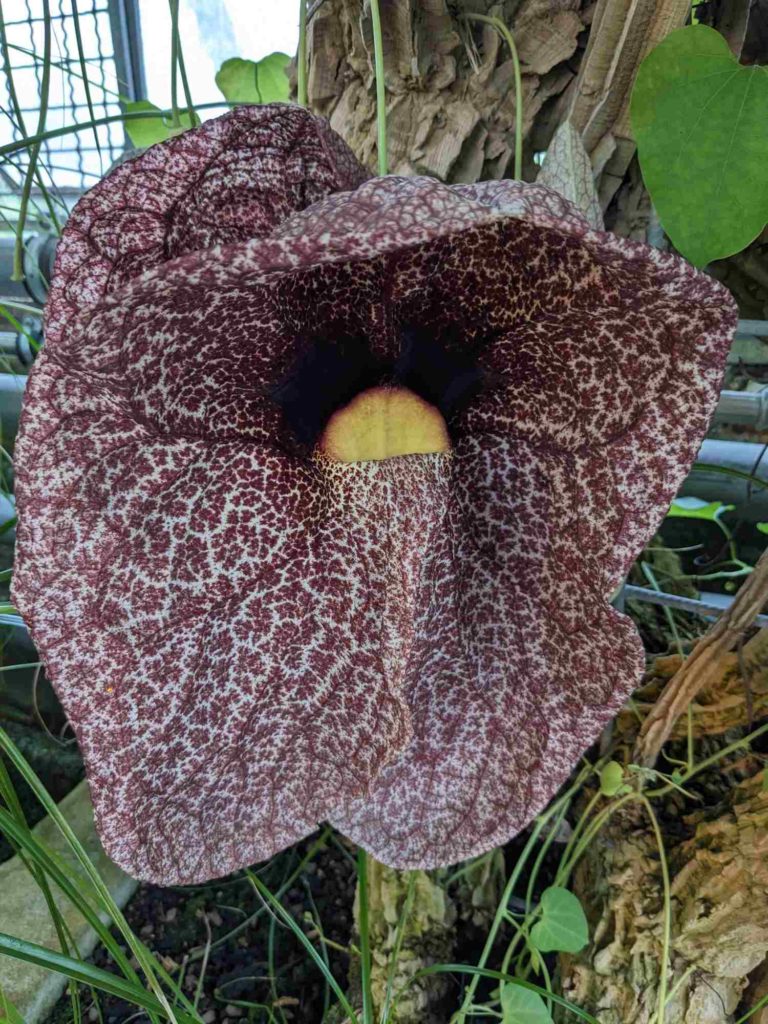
(333,369)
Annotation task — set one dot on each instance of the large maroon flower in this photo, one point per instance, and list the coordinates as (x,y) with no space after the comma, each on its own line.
(252,630)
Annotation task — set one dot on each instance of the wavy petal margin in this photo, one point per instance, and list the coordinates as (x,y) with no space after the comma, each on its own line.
(248,638)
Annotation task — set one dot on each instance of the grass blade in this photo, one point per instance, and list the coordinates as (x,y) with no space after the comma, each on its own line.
(286,918)
(85,973)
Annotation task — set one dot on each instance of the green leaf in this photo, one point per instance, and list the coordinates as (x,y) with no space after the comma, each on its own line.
(699,119)
(563,926)
(287,919)
(250,81)
(521,1006)
(274,83)
(146,131)
(8,1011)
(611,778)
(762,527)
(695,508)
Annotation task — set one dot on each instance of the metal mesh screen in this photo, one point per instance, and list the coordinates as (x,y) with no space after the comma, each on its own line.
(73,162)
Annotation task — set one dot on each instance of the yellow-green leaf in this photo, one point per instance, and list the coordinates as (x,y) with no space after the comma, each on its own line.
(563,925)
(250,81)
(156,127)
(522,1006)
(611,778)
(695,508)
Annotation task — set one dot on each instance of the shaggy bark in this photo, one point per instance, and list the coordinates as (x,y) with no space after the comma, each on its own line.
(450,91)
(411,926)
(415,922)
(719,899)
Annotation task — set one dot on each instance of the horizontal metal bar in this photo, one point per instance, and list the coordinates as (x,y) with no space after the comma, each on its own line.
(755,328)
(12,620)
(722,472)
(747,408)
(706,607)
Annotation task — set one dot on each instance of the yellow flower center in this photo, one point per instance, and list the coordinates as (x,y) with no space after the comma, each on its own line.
(383,422)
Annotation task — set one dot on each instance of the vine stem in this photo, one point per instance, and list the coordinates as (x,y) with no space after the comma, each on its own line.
(18,116)
(301,60)
(365,935)
(506,35)
(666,937)
(509,889)
(56,133)
(18,249)
(84,73)
(381,94)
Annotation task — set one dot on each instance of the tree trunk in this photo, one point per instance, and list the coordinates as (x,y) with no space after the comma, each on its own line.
(719,897)
(450,88)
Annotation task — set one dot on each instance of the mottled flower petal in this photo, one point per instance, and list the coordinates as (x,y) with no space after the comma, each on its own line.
(563,469)
(227,626)
(248,637)
(517,663)
(232,179)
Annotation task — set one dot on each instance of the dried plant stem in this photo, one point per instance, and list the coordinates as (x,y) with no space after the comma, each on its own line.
(703,665)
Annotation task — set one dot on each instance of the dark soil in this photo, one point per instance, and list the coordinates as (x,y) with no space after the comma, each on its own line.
(219,939)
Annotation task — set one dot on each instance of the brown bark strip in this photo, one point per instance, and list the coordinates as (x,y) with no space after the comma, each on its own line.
(719,706)
(623,32)
(704,664)
(719,896)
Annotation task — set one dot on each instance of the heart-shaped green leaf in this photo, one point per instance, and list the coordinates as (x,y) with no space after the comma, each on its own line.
(699,118)
(250,81)
(563,926)
(522,1006)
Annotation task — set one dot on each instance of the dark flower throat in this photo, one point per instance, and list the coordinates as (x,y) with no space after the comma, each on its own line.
(330,372)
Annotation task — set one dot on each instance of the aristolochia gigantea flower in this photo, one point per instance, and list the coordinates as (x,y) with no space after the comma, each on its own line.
(325,484)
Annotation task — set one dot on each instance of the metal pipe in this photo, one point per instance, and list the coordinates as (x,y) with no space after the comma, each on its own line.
(734,472)
(747,408)
(710,606)
(11,394)
(39,253)
(754,328)
(15,621)
(16,344)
